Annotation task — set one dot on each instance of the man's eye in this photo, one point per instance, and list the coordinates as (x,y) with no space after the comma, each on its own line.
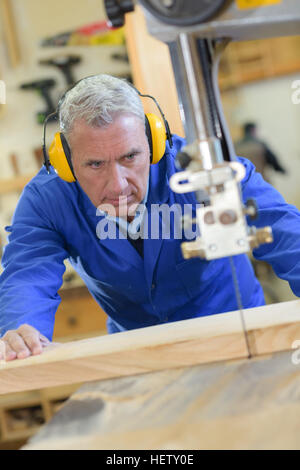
(129,157)
(95,164)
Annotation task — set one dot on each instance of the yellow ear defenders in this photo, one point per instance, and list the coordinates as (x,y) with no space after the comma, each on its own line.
(157,131)
(59,155)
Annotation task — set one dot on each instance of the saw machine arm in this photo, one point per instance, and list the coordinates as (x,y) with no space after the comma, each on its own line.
(197,32)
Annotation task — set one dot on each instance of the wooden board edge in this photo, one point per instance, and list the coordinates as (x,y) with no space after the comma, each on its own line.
(82,365)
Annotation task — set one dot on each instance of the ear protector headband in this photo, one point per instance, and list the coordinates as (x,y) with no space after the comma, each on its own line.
(59,155)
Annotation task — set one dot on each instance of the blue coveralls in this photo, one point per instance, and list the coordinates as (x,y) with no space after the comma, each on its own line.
(55,220)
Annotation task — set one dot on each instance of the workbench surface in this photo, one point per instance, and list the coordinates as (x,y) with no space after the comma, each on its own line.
(241,404)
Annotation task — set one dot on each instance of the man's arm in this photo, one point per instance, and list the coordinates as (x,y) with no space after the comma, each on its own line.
(33,264)
(284,253)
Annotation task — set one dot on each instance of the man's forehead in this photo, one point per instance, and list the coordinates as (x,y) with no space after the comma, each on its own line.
(122,119)
(123,137)
(90,158)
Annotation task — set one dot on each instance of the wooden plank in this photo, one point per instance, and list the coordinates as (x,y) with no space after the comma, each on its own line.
(202,340)
(246,404)
(152,69)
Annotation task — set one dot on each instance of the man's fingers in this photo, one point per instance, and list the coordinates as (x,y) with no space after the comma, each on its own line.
(15,343)
(6,353)
(33,343)
(10,354)
(45,341)
(32,338)
(21,343)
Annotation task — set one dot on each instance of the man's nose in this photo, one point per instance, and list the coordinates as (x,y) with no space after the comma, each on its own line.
(117,179)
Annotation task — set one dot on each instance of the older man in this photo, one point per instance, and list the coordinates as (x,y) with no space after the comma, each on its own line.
(138,280)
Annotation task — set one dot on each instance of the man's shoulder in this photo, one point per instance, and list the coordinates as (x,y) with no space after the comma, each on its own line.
(169,161)
(177,144)
(46,185)
(47,192)
(180,142)
(43,178)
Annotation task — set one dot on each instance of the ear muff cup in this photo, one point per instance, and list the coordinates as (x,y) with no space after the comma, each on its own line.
(156,134)
(60,158)
(60,153)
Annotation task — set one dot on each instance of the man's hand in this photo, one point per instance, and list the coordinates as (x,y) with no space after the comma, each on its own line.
(21,343)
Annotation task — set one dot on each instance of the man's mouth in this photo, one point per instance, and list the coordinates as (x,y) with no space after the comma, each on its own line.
(121,200)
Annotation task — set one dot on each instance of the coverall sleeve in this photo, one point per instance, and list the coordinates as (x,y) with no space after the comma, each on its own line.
(283,254)
(33,263)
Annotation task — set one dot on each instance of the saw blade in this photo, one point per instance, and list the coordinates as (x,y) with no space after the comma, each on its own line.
(240,305)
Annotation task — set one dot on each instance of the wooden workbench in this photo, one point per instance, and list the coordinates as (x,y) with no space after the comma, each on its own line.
(243,404)
(184,385)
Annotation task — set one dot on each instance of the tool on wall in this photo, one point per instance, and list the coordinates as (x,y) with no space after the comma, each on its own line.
(92,34)
(42,87)
(65,64)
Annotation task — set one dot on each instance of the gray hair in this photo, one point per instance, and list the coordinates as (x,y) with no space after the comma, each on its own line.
(97,100)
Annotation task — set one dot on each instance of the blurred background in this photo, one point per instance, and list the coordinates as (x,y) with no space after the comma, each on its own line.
(46,46)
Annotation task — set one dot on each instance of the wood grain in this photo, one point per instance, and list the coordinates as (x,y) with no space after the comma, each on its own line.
(246,404)
(202,340)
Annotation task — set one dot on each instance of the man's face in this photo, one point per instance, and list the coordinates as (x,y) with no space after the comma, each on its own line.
(111,163)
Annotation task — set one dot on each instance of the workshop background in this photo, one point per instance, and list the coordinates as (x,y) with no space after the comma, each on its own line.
(258,81)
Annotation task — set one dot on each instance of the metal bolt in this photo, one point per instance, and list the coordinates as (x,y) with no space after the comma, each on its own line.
(228,217)
(264,235)
(192,250)
(209,218)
